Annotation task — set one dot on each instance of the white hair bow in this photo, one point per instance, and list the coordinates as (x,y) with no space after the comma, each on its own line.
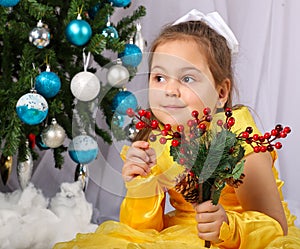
(216,22)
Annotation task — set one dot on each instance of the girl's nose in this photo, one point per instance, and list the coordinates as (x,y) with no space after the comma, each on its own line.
(172,88)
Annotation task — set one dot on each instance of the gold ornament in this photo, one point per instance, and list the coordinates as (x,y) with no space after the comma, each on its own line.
(6,163)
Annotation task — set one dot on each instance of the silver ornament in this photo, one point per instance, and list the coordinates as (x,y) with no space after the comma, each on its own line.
(81,175)
(117,75)
(131,130)
(138,38)
(24,169)
(40,35)
(54,135)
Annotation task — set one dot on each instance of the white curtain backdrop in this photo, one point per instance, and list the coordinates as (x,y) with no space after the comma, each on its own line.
(266,70)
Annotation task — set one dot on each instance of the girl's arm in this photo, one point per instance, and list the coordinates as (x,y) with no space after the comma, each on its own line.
(143,206)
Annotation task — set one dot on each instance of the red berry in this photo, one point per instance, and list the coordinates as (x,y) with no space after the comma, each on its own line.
(154,124)
(208,118)
(256,149)
(130,112)
(267,135)
(282,134)
(274,132)
(278,145)
(167,127)
(182,150)
(175,143)
(190,123)
(228,112)
(142,112)
(176,134)
(180,128)
(164,132)
(140,125)
(182,161)
(231,122)
(245,134)
(261,139)
(195,114)
(255,137)
(220,122)
(191,173)
(202,126)
(148,115)
(206,111)
(263,148)
(162,140)
(287,129)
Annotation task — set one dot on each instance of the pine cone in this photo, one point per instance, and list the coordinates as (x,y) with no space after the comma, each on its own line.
(188,186)
(235,182)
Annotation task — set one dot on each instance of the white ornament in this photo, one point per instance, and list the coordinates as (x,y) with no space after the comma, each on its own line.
(117,75)
(85,86)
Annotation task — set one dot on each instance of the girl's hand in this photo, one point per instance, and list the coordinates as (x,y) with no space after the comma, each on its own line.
(139,160)
(210,218)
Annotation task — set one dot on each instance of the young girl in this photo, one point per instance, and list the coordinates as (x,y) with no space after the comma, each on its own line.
(190,69)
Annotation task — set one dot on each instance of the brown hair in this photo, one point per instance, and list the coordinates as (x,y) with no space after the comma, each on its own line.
(214,46)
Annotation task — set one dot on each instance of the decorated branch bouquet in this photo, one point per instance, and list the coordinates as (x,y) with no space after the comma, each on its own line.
(211,153)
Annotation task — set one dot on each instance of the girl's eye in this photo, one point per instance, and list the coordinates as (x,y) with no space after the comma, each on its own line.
(188,79)
(159,78)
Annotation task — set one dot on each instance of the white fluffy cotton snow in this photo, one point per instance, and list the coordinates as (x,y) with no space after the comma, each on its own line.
(28,220)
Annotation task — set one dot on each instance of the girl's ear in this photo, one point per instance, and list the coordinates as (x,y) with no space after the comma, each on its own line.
(223,90)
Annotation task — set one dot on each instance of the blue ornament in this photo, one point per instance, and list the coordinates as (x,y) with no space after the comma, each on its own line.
(83,149)
(47,84)
(32,108)
(122,101)
(110,31)
(94,10)
(120,3)
(9,3)
(131,56)
(40,143)
(78,32)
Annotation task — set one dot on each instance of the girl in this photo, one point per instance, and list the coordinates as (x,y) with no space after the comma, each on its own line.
(190,69)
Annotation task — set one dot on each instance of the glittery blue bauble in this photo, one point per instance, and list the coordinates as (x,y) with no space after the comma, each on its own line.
(9,3)
(131,56)
(120,3)
(47,84)
(110,31)
(32,108)
(122,101)
(78,32)
(83,149)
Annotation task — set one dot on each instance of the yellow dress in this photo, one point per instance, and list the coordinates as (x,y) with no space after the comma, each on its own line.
(143,223)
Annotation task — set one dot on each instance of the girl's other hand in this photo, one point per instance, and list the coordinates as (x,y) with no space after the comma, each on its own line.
(209,219)
(139,160)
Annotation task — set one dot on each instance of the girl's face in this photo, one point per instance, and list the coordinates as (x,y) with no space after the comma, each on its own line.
(180,82)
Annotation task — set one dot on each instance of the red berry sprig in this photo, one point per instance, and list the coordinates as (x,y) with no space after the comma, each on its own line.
(198,126)
(265,142)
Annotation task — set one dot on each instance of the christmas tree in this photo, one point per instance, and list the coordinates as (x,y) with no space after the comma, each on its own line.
(46,47)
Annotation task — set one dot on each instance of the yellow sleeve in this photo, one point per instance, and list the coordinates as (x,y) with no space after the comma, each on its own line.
(142,206)
(249,229)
